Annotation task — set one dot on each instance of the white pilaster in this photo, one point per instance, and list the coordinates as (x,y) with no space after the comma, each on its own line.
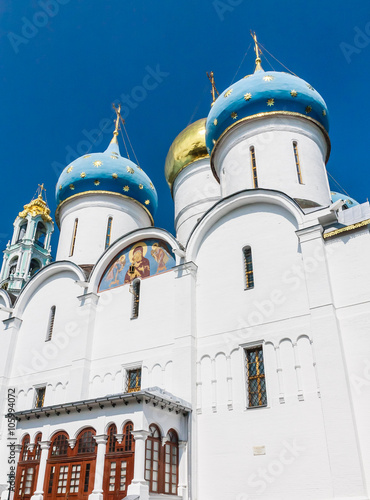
(97,493)
(39,492)
(138,485)
(182,490)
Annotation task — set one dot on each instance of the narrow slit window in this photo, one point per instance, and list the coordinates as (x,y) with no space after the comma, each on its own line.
(297,164)
(109,231)
(248,268)
(51,324)
(73,238)
(135,290)
(254,167)
(255,369)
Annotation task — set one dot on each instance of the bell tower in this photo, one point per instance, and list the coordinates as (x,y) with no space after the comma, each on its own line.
(29,250)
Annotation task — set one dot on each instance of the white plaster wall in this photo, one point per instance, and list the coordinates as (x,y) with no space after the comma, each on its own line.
(195,190)
(273,139)
(92,212)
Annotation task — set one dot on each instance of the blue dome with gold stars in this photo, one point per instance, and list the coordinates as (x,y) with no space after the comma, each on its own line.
(264,93)
(107,172)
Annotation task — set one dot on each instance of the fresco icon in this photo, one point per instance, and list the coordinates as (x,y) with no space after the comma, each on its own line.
(139,260)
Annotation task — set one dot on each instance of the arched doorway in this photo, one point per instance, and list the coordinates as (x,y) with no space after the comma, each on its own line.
(70,472)
(27,469)
(119,463)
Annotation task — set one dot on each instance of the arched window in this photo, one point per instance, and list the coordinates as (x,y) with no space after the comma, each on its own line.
(119,462)
(248,268)
(40,234)
(86,443)
(135,290)
(59,446)
(297,163)
(13,265)
(22,231)
(73,242)
(49,332)
(34,267)
(24,451)
(254,166)
(171,454)
(37,450)
(153,458)
(109,231)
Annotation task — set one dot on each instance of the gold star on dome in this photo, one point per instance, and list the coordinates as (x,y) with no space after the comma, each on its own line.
(60,187)
(97,163)
(293,93)
(310,86)
(130,170)
(86,156)
(141,186)
(151,185)
(308,109)
(227,93)
(115,176)
(214,141)
(126,188)
(247,76)
(96,182)
(82,175)
(323,112)
(71,186)
(268,78)
(247,96)
(114,157)
(234,115)
(215,122)
(69,170)
(270,102)
(146,202)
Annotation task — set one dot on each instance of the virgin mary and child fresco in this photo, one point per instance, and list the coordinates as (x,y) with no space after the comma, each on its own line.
(135,262)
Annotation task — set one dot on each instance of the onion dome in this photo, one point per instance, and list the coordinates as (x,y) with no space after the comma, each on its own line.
(264,94)
(349,202)
(188,147)
(107,173)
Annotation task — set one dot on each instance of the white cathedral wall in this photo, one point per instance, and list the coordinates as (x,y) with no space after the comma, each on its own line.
(92,212)
(300,457)
(272,139)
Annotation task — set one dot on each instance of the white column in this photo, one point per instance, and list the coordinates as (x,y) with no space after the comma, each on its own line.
(97,493)
(39,492)
(138,485)
(183,470)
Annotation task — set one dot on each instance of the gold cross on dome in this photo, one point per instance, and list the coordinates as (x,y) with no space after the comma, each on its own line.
(118,113)
(41,189)
(214,91)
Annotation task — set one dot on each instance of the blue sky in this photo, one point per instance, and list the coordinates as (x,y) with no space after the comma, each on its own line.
(61,70)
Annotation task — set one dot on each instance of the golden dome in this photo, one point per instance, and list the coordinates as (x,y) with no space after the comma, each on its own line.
(189,146)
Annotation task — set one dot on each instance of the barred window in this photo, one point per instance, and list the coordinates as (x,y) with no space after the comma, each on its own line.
(171,452)
(248,268)
(153,458)
(254,167)
(40,397)
(109,231)
(135,290)
(24,451)
(297,163)
(133,380)
(255,376)
(49,333)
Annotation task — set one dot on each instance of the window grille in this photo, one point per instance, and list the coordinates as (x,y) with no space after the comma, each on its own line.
(254,167)
(248,268)
(135,290)
(133,380)
(51,324)
(256,377)
(86,443)
(40,397)
(73,238)
(297,163)
(109,231)
(59,446)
